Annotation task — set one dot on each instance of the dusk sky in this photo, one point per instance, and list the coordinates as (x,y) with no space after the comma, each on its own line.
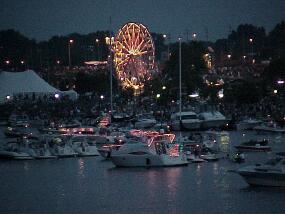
(41,19)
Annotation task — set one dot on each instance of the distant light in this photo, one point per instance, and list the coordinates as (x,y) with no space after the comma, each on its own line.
(71,41)
(194,95)
(280,82)
(7,62)
(22,62)
(221,94)
(158,96)
(97,40)
(163,87)
(102,97)
(57,62)
(56,95)
(164,36)
(253,61)
(229,56)
(244,57)
(194,35)
(8,97)
(250,40)
(275,91)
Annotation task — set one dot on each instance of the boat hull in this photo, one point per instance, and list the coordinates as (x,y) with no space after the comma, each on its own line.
(264,179)
(147,160)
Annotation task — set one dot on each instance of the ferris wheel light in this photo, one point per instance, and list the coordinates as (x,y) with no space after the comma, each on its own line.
(133,55)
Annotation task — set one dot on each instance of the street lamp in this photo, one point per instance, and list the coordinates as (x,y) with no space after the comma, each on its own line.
(251,46)
(97,41)
(69,57)
(194,36)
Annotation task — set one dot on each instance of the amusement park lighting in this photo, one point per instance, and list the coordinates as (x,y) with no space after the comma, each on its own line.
(109,40)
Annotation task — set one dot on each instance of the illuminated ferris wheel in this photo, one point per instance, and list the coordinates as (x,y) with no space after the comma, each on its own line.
(134,55)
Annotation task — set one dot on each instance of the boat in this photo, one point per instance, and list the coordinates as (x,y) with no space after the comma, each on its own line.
(248,124)
(208,155)
(271,173)
(144,121)
(186,120)
(17,150)
(62,149)
(254,145)
(217,141)
(15,155)
(150,151)
(213,120)
(269,127)
(84,145)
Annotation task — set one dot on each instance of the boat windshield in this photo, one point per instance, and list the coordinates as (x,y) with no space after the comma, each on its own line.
(188,117)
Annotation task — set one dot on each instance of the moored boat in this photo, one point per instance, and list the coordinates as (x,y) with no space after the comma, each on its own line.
(271,173)
(155,150)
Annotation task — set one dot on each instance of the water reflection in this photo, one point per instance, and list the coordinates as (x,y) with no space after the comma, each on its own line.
(81,167)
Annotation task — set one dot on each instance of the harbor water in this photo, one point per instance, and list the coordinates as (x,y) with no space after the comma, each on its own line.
(94,185)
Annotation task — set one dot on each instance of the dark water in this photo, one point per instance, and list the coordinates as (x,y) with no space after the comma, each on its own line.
(92,185)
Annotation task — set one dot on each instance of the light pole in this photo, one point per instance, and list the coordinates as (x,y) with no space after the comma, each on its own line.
(167,36)
(180,92)
(69,57)
(97,41)
(251,46)
(110,41)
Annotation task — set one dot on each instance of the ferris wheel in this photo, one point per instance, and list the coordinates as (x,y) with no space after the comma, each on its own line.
(134,55)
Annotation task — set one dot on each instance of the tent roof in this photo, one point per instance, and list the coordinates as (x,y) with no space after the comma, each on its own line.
(23,82)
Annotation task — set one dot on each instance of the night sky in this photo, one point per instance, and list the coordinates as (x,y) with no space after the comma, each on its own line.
(41,19)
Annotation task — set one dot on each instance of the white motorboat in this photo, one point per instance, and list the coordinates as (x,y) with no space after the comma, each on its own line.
(84,145)
(157,150)
(15,155)
(145,121)
(189,121)
(269,127)
(17,151)
(248,124)
(62,149)
(272,173)
(212,119)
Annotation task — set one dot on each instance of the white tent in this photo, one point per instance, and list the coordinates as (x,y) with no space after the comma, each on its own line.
(73,95)
(26,82)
